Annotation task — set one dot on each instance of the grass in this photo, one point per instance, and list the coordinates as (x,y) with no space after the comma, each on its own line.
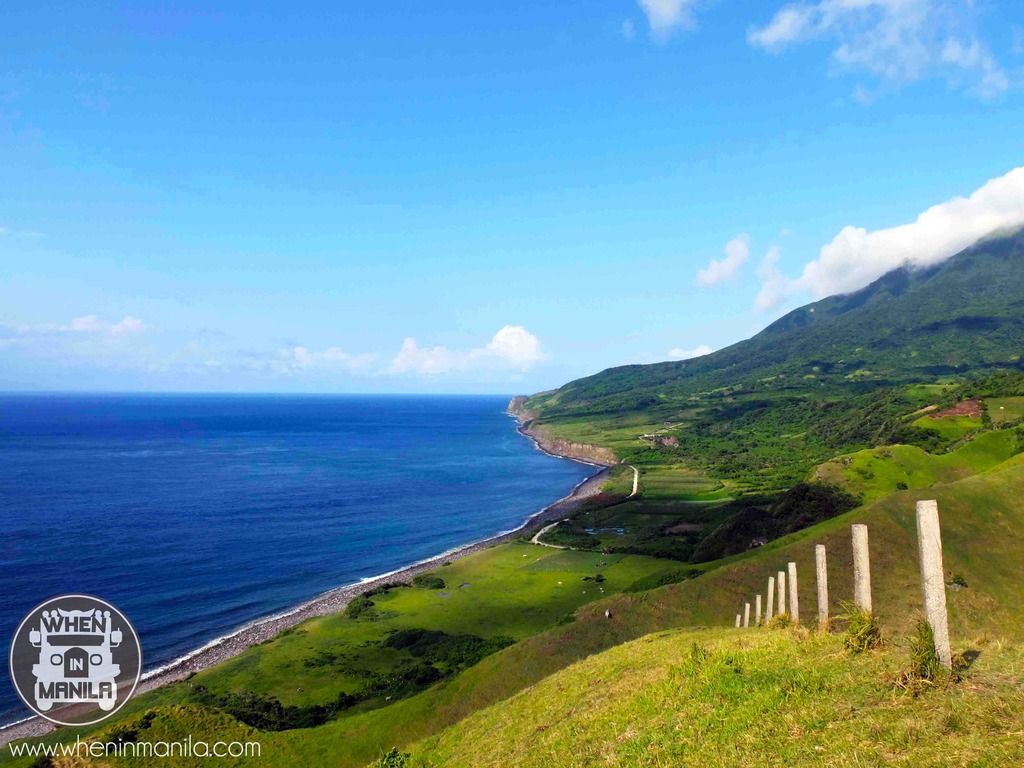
(665,529)
(1005,410)
(950,429)
(727,697)
(862,630)
(619,482)
(877,472)
(621,433)
(510,591)
(677,482)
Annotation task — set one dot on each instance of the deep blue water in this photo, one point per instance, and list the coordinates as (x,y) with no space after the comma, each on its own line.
(197,514)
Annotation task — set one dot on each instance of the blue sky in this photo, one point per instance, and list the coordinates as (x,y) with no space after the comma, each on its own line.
(475,197)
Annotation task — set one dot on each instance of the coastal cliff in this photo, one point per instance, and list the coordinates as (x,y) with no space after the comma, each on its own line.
(556,446)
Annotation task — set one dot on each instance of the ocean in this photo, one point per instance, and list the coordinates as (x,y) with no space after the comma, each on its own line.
(196,514)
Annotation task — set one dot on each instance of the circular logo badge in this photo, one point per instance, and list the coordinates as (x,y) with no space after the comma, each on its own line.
(75,660)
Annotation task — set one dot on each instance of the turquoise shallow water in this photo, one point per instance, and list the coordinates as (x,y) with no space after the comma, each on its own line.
(197,514)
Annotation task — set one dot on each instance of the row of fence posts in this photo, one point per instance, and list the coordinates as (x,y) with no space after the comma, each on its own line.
(933,583)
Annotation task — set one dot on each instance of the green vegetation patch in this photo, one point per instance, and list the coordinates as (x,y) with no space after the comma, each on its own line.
(948,430)
(666,529)
(754,698)
(1005,411)
(428,581)
(874,473)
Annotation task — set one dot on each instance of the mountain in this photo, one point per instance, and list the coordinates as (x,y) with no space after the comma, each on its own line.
(960,316)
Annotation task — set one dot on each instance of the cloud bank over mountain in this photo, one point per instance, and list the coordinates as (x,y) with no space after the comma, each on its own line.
(856,256)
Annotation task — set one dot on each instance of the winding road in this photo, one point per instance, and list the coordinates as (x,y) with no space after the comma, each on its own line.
(546,528)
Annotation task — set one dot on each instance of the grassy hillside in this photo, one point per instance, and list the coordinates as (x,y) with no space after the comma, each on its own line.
(762,697)
(332,675)
(981,517)
(877,472)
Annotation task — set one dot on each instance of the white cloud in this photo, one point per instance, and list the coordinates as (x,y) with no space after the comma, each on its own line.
(628,31)
(514,345)
(85,324)
(127,325)
(90,324)
(855,257)
(511,347)
(789,25)
(737,251)
(666,16)
(298,358)
(896,41)
(85,339)
(678,353)
(976,58)
(774,285)
(412,358)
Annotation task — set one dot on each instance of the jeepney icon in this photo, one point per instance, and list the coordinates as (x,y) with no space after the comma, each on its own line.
(75,664)
(75,660)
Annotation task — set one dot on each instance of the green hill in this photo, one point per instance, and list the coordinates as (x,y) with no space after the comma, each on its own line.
(829,378)
(768,697)
(728,698)
(908,326)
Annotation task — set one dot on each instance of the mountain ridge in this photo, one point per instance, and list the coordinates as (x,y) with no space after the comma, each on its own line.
(977,294)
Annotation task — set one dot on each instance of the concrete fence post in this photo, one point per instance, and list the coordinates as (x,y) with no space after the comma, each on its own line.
(746,615)
(821,567)
(738,620)
(757,610)
(780,581)
(933,581)
(861,569)
(770,608)
(794,595)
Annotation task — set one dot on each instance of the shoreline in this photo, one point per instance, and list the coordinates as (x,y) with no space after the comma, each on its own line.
(333,601)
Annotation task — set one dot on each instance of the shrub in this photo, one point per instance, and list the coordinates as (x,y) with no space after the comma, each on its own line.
(358,606)
(924,662)
(925,668)
(394,759)
(455,652)
(268,713)
(862,630)
(958,581)
(428,581)
(699,654)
